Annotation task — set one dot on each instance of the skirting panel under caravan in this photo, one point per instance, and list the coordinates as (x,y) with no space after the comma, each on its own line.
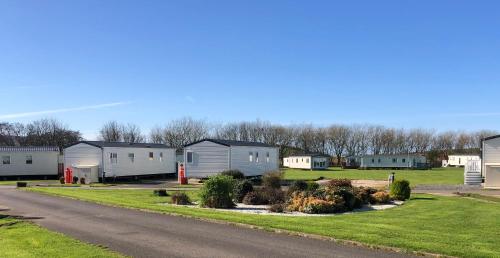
(492,176)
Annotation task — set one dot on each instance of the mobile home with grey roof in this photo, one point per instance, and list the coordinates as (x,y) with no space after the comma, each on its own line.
(97,159)
(29,161)
(490,166)
(211,156)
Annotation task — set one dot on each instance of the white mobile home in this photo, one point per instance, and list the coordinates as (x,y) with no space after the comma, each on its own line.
(209,157)
(459,160)
(398,161)
(29,161)
(490,167)
(97,159)
(307,161)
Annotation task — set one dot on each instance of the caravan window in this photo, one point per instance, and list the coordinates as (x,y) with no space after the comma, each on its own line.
(189,157)
(6,160)
(161,156)
(29,159)
(151,156)
(131,156)
(250,156)
(394,160)
(267,157)
(257,157)
(404,161)
(113,158)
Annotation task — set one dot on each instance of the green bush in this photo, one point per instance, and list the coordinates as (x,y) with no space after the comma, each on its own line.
(217,192)
(61,180)
(272,195)
(241,188)
(343,182)
(234,173)
(272,179)
(297,186)
(362,195)
(400,190)
(180,198)
(312,186)
(160,192)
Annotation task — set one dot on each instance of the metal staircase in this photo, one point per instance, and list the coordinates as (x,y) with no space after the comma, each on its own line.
(472,173)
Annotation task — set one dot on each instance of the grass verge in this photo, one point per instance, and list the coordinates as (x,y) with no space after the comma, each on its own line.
(436,176)
(454,226)
(20,238)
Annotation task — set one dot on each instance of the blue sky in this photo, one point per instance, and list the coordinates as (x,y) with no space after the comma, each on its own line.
(430,64)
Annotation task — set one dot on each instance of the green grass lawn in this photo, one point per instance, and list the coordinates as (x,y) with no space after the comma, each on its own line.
(458,226)
(13,182)
(24,239)
(436,176)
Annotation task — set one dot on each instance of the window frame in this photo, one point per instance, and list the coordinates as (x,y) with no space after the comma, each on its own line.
(187,157)
(256,157)
(267,157)
(250,156)
(151,155)
(4,160)
(113,156)
(131,157)
(30,160)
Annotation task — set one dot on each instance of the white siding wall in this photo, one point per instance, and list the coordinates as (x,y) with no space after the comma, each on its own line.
(208,159)
(142,164)
(301,162)
(386,161)
(44,163)
(83,155)
(491,163)
(461,160)
(240,160)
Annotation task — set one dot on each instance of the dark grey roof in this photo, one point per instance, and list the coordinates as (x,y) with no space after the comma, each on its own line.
(233,143)
(491,137)
(28,148)
(309,155)
(102,144)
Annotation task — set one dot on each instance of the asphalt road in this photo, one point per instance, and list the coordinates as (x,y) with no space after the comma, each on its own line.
(143,234)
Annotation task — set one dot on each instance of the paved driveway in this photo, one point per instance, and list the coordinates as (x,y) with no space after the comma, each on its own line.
(143,234)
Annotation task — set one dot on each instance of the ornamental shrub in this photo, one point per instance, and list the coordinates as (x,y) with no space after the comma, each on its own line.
(160,192)
(61,180)
(253,198)
(217,192)
(241,188)
(272,195)
(344,182)
(380,197)
(279,208)
(362,195)
(298,186)
(272,179)
(400,190)
(180,198)
(234,173)
(312,186)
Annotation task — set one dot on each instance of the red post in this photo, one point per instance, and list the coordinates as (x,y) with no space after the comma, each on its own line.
(68,176)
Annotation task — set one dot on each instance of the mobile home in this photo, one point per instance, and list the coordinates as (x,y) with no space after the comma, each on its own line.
(459,160)
(396,161)
(490,166)
(211,156)
(307,161)
(97,159)
(29,161)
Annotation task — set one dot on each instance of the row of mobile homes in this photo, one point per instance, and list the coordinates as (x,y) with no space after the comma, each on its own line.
(96,159)
(307,161)
(396,161)
(490,165)
(29,161)
(459,160)
(210,156)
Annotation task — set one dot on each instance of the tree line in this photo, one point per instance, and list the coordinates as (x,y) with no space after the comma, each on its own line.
(337,140)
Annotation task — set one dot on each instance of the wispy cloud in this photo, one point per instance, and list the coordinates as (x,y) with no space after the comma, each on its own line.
(61,110)
(190,99)
(478,114)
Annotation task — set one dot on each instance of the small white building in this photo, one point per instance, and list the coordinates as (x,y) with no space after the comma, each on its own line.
(210,156)
(29,161)
(97,159)
(459,160)
(490,166)
(398,161)
(307,161)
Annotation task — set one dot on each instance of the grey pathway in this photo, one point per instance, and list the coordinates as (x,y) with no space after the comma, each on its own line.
(143,234)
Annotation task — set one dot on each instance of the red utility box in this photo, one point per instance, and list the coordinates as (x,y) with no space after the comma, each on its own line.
(182,175)
(68,176)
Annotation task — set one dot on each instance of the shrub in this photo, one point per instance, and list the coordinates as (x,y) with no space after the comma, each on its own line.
(217,192)
(339,183)
(82,180)
(180,198)
(253,198)
(160,192)
(362,195)
(380,197)
(312,186)
(349,199)
(256,180)
(400,190)
(61,180)
(272,195)
(272,179)
(310,204)
(234,173)
(22,184)
(298,186)
(241,188)
(279,207)
(75,180)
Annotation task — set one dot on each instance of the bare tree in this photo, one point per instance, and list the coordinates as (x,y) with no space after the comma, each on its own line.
(338,136)
(156,135)
(180,132)
(111,131)
(132,133)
